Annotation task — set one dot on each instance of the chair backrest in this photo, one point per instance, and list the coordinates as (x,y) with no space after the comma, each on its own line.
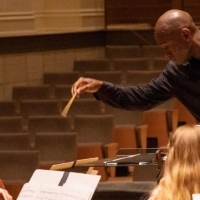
(39,107)
(31,92)
(11,124)
(109,76)
(60,78)
(15,141)
(89,150)
(53,123)
(83,66)
(141,77)
(94,128)
(172,119)
(124,117)
(159,63)
(8,108)
(184,116)
(83,106)
(131,64)
(152,51)
(64,92)
(116,51)
(56,147)
(125,136)
(18,165)
(157,126)
(142,132)
(45,124)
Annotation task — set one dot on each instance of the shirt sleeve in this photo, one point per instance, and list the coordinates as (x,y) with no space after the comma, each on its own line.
(136,97)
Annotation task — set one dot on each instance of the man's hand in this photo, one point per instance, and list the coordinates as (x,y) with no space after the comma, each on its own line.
(85,85)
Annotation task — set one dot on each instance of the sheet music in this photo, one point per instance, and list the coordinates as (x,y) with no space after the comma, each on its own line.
(46,176)
(196,196)
(28,192)
(74,178)
(33,191)
(77,192)
(75,187)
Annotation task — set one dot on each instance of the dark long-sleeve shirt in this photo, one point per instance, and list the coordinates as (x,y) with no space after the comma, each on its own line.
(180,81)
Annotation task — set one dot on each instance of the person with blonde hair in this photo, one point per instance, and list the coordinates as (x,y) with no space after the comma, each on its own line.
(181,177)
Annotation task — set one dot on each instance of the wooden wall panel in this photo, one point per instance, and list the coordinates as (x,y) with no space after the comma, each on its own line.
(135,11)
(28,17)
(143,11)
(193,7)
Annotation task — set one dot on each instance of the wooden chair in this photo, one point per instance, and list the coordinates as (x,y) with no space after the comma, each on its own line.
(64,92)
(125,136)
(152,51)
(18,165)
(110,151)
(123,117)
(55,147)
(172,119)
(110,76)
(15,141)
(125,65)
(131,136)
(157,126)
(45,124)
(94,131)
(83,106)
(8,108)
(53,79)
(159,63)
(131,64)
(86,150)
(11,124)
(52,123)
(94,128)
(184,116)
(136,77)
(83,66)
(114,51)
(17,168)
(39,107)
(142,132)
(31,92)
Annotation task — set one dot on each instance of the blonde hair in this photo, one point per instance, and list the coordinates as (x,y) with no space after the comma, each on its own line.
(182,167)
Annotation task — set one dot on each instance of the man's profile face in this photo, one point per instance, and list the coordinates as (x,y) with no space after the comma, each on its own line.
(176,52)
(174,48)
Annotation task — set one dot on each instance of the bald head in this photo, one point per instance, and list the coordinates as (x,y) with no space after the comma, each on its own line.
(172,22)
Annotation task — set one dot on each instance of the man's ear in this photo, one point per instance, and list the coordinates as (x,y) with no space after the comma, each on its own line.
(186,34)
